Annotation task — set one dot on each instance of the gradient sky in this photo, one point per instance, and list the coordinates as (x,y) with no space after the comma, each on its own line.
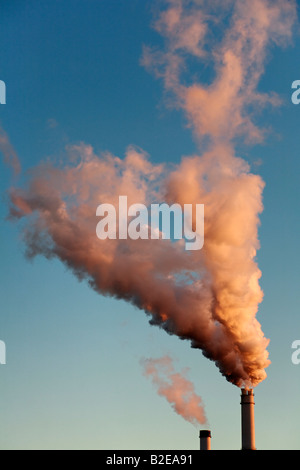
(73,377)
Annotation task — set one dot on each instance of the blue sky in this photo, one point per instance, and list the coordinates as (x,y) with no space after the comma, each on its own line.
(73,377)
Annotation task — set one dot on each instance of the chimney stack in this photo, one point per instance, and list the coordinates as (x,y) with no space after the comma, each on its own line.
(205,440)
(248,424)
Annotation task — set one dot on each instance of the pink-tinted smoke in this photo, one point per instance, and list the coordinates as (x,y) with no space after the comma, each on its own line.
(211,297)
(176,388)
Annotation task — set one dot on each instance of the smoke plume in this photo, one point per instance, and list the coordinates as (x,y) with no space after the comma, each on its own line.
(176,388)
(211,297)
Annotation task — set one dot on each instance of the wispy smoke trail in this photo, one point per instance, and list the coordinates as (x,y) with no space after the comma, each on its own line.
(223,108)
(211,297)
(176,388)
(10,156)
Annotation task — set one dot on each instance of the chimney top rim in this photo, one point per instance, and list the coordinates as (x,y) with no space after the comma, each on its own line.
(205,433)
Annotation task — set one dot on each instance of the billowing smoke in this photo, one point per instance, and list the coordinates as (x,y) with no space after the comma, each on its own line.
(210,297)
(176,388)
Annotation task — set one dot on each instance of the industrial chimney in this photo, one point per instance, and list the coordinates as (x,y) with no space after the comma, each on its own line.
(248,425)
(205,440)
